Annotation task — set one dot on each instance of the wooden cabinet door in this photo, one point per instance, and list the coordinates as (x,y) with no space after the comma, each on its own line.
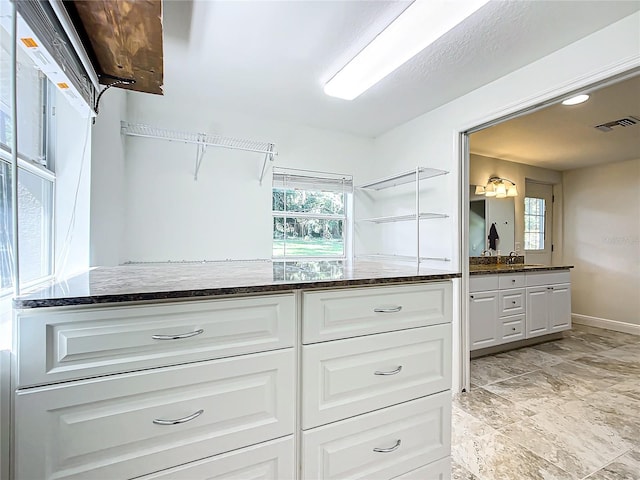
(560,307)
(483,319)
(537,311)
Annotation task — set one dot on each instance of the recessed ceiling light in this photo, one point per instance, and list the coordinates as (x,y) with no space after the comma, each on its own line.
(576,100)
(421,24)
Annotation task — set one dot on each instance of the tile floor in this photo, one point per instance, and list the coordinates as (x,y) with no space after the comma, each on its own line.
(565,409)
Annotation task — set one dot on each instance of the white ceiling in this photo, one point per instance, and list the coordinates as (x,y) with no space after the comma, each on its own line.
(272,58)
(563,137)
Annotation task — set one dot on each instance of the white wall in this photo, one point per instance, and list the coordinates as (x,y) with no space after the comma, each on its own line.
(432,139)
(72,192)
(481,168)
(5,393)
(602,240)
(226,213)
(108,180)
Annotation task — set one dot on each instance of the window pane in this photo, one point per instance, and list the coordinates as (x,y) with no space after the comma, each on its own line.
(534,221)
(308,237)
(35,202)
(308,201)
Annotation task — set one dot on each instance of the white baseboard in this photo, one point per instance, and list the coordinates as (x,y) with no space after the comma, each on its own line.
(606,323)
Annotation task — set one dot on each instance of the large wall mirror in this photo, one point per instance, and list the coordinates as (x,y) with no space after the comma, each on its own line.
(485,212)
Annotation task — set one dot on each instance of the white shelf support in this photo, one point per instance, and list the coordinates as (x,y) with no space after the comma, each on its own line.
(202,141)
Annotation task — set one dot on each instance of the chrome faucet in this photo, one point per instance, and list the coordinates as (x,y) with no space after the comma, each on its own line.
(486,253)
(512,258)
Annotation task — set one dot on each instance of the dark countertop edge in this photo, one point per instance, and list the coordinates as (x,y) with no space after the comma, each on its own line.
(28,303)
(515,269)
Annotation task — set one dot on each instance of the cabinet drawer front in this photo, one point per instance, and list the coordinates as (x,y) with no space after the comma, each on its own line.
(80,344)
(349,377)
(410,436)
(351,312)
(512,280)
(112,427)
(482,283)
(512,302)
(267,461)
(513,328)
(534,279)
(438,470)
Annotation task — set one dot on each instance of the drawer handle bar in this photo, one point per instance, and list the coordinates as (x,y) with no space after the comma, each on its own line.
(393,372)
(178,336)
(178,421)
(388,310)
(388,450)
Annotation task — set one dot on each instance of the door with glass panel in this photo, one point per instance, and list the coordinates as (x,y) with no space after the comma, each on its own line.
(538,210)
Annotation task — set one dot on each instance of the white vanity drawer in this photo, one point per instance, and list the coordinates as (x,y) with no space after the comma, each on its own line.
(512,280)
(351,312)
(483,283)
(511,302)
(535,279)
(110,427)
(438,470)
(413,434)
(344,378)
(266,461)
(513,328)
(62,345)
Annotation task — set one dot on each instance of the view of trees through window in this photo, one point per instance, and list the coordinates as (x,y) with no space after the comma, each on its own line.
(308,223)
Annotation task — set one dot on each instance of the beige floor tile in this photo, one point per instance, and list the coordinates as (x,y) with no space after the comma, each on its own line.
(626,467)
(491,409)
(486,370)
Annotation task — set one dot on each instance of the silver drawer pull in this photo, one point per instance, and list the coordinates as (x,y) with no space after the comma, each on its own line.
(178,336)
(393,372)
(388,310)
(178,421)
(388,450)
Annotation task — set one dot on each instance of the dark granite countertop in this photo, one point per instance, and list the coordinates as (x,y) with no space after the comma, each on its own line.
(132,283)
(515,268)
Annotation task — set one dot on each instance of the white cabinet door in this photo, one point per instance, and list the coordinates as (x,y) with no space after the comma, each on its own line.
(537,311)
(80,343)
(483,319)
(380,445)
(344,378)
(133,424)
(266,461)
(560,307)
(352,312)
(438,470)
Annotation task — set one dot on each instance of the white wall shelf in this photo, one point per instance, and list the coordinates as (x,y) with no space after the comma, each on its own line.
(414,176)
(420,173)
(202,140)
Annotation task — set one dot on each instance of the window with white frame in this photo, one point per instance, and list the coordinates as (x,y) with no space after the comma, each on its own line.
(311,214)
(35,176)
(534,221)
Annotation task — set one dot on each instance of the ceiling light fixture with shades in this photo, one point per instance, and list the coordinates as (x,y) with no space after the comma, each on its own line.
(496,187)
(421,24)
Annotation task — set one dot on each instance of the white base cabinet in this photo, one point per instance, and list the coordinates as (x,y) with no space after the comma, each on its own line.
(317,385)
(509,307)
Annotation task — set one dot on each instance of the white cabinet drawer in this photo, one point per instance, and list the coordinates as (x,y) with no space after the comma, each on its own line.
(535,279)
(438,470)
(64,345)
(512,280)
(513,328)
(108,428)
(266,461)
(483,283)
(349,377)
(413,434)
(351,312)
(511,302)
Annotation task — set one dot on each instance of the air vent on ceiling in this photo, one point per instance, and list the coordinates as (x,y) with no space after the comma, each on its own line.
(623,122)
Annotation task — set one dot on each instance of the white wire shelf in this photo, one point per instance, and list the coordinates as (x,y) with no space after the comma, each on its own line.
(402,178)
(404,218)
(202,140)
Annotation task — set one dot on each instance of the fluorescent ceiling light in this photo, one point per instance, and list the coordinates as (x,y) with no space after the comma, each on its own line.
(421,24)
(576,100)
